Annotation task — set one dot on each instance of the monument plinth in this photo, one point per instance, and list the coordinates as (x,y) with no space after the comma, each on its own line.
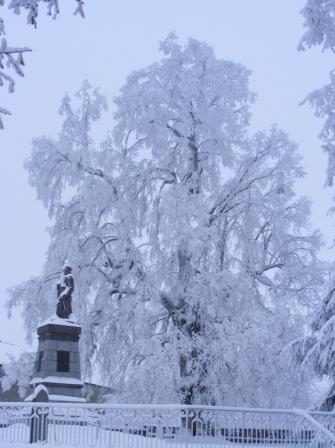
(57,367)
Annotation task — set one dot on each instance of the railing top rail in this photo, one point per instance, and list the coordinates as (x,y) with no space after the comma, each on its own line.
(155,407)
(332,413)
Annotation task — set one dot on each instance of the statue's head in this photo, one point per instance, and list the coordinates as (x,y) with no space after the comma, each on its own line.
(67,269)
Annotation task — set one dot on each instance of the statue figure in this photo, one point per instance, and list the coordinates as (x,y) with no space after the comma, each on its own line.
(64,292)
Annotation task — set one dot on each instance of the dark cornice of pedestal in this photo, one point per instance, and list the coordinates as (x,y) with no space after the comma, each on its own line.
(51,331)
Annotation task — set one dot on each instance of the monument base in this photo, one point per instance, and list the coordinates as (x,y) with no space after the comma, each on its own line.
(57,366)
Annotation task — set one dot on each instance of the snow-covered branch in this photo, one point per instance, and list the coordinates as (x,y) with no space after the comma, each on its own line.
(11,58)
(319,19)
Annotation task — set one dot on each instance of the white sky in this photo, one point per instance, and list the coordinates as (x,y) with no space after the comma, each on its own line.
(120,36)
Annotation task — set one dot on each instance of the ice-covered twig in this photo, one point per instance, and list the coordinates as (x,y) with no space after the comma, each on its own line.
(12,57)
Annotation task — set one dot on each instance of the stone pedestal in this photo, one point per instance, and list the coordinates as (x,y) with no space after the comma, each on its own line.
(57,365)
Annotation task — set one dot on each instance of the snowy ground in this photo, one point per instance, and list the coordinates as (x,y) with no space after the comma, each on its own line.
(17,436)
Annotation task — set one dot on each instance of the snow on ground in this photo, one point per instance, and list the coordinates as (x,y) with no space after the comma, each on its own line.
(17,436)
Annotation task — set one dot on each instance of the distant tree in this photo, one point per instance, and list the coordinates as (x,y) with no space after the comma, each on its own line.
(187,241)
(316,351)
(319,21)
(11,58)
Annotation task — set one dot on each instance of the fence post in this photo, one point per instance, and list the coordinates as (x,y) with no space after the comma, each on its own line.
(186,429)
(39,419)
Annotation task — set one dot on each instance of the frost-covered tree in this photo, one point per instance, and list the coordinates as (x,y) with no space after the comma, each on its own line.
(11,58)
(187,241)
(316,351)
(319,19)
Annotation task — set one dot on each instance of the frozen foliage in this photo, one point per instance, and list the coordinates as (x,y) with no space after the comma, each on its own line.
(319,19)
(18,371)
(32,8)
(189,247)
(316,352)
(11,58)
(323,101)
(318,349)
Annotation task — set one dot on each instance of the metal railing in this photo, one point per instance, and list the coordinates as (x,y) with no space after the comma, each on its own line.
(160,426)
(326,419)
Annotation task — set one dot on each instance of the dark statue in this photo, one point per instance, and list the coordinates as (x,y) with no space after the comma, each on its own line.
(64,292)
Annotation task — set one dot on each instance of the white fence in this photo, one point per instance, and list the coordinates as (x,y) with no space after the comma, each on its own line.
(174,426)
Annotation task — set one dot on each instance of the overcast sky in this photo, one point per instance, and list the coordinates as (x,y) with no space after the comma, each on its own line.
(116,38)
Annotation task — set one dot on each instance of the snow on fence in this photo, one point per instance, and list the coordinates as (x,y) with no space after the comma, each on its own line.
(150,426)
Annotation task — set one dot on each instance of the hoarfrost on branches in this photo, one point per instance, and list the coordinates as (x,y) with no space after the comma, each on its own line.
(316,352)
(319,19)
(18,372)
(188,243)
(323,102)
(11,58)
